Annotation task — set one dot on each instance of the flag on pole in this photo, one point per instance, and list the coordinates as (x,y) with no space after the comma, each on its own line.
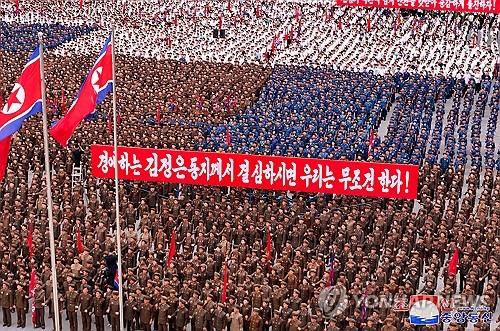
(368,24)
(453,265)
(297,13)
(24,101)
(31,290)
(29,240)
(220,22)
(158,114)
(81,4)
(97,84)
(16,3)
(223,296)
(171,250)
(339,24)
(79,243)
(116,281)
(4,155)
(268,245)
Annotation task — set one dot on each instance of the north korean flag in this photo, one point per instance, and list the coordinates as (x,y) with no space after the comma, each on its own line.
(97,84)
(25,99)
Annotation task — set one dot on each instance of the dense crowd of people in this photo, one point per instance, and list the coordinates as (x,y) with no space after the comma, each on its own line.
(311,98)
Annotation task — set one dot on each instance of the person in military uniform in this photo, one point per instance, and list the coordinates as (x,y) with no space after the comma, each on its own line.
(220,318)
(114,311)
(99,307)
(20,299)
(129,311)
(72,303)
(256,322)
(265,312)
(200,318)
(181,317)
(351,325)
(294,323)
(332,325)
(145,311)
(7,302)
(39,302)
(162,309)
(86,308)
(389,324)
(313,325)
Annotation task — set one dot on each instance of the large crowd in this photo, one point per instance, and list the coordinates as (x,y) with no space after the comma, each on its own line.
(424,83)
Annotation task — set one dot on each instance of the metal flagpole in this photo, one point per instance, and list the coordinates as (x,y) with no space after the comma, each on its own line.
(117,198)
(55,299)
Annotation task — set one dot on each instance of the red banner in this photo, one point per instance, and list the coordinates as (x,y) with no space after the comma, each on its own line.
(479,6)
(383,180)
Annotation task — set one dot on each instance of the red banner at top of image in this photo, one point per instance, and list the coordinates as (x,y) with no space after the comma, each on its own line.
(479,6)
(383,180)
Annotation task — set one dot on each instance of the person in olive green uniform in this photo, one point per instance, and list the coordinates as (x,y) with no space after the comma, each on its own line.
(114,311)
(86,308)
(256,323)
(72,302)
(39,302)
(7,302)
(145,310)
(162,309)
(181,317)
(220,318)
(200,318)
(99,306)
(20,299)
(129,311)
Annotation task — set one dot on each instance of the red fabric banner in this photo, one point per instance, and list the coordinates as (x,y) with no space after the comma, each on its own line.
(383,180)
(224,284)
(479,6)
(171,249)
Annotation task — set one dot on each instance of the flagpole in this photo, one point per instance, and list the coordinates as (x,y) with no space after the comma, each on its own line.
(55,300)
(117,198)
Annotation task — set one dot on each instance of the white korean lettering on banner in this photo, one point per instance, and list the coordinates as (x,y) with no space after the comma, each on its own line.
(205,168)
(105,162)
(229,170)
(193,169)
(180,169)
(406,3)
(396,181)
(152,166)
(369,180)
(346,178)
(328,178)
(355,180)
(216,169)
(389,2)
(313,176)
(136,165)
(427,3)
(124,163)
(385,180)
(166,166)
(257,173)
(290,174)
(244,173)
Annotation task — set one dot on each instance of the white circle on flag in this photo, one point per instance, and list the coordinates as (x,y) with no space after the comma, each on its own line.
(95,79)
(14,104)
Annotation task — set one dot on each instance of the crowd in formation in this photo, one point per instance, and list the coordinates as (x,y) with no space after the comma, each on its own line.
(289,32)
(321,92)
